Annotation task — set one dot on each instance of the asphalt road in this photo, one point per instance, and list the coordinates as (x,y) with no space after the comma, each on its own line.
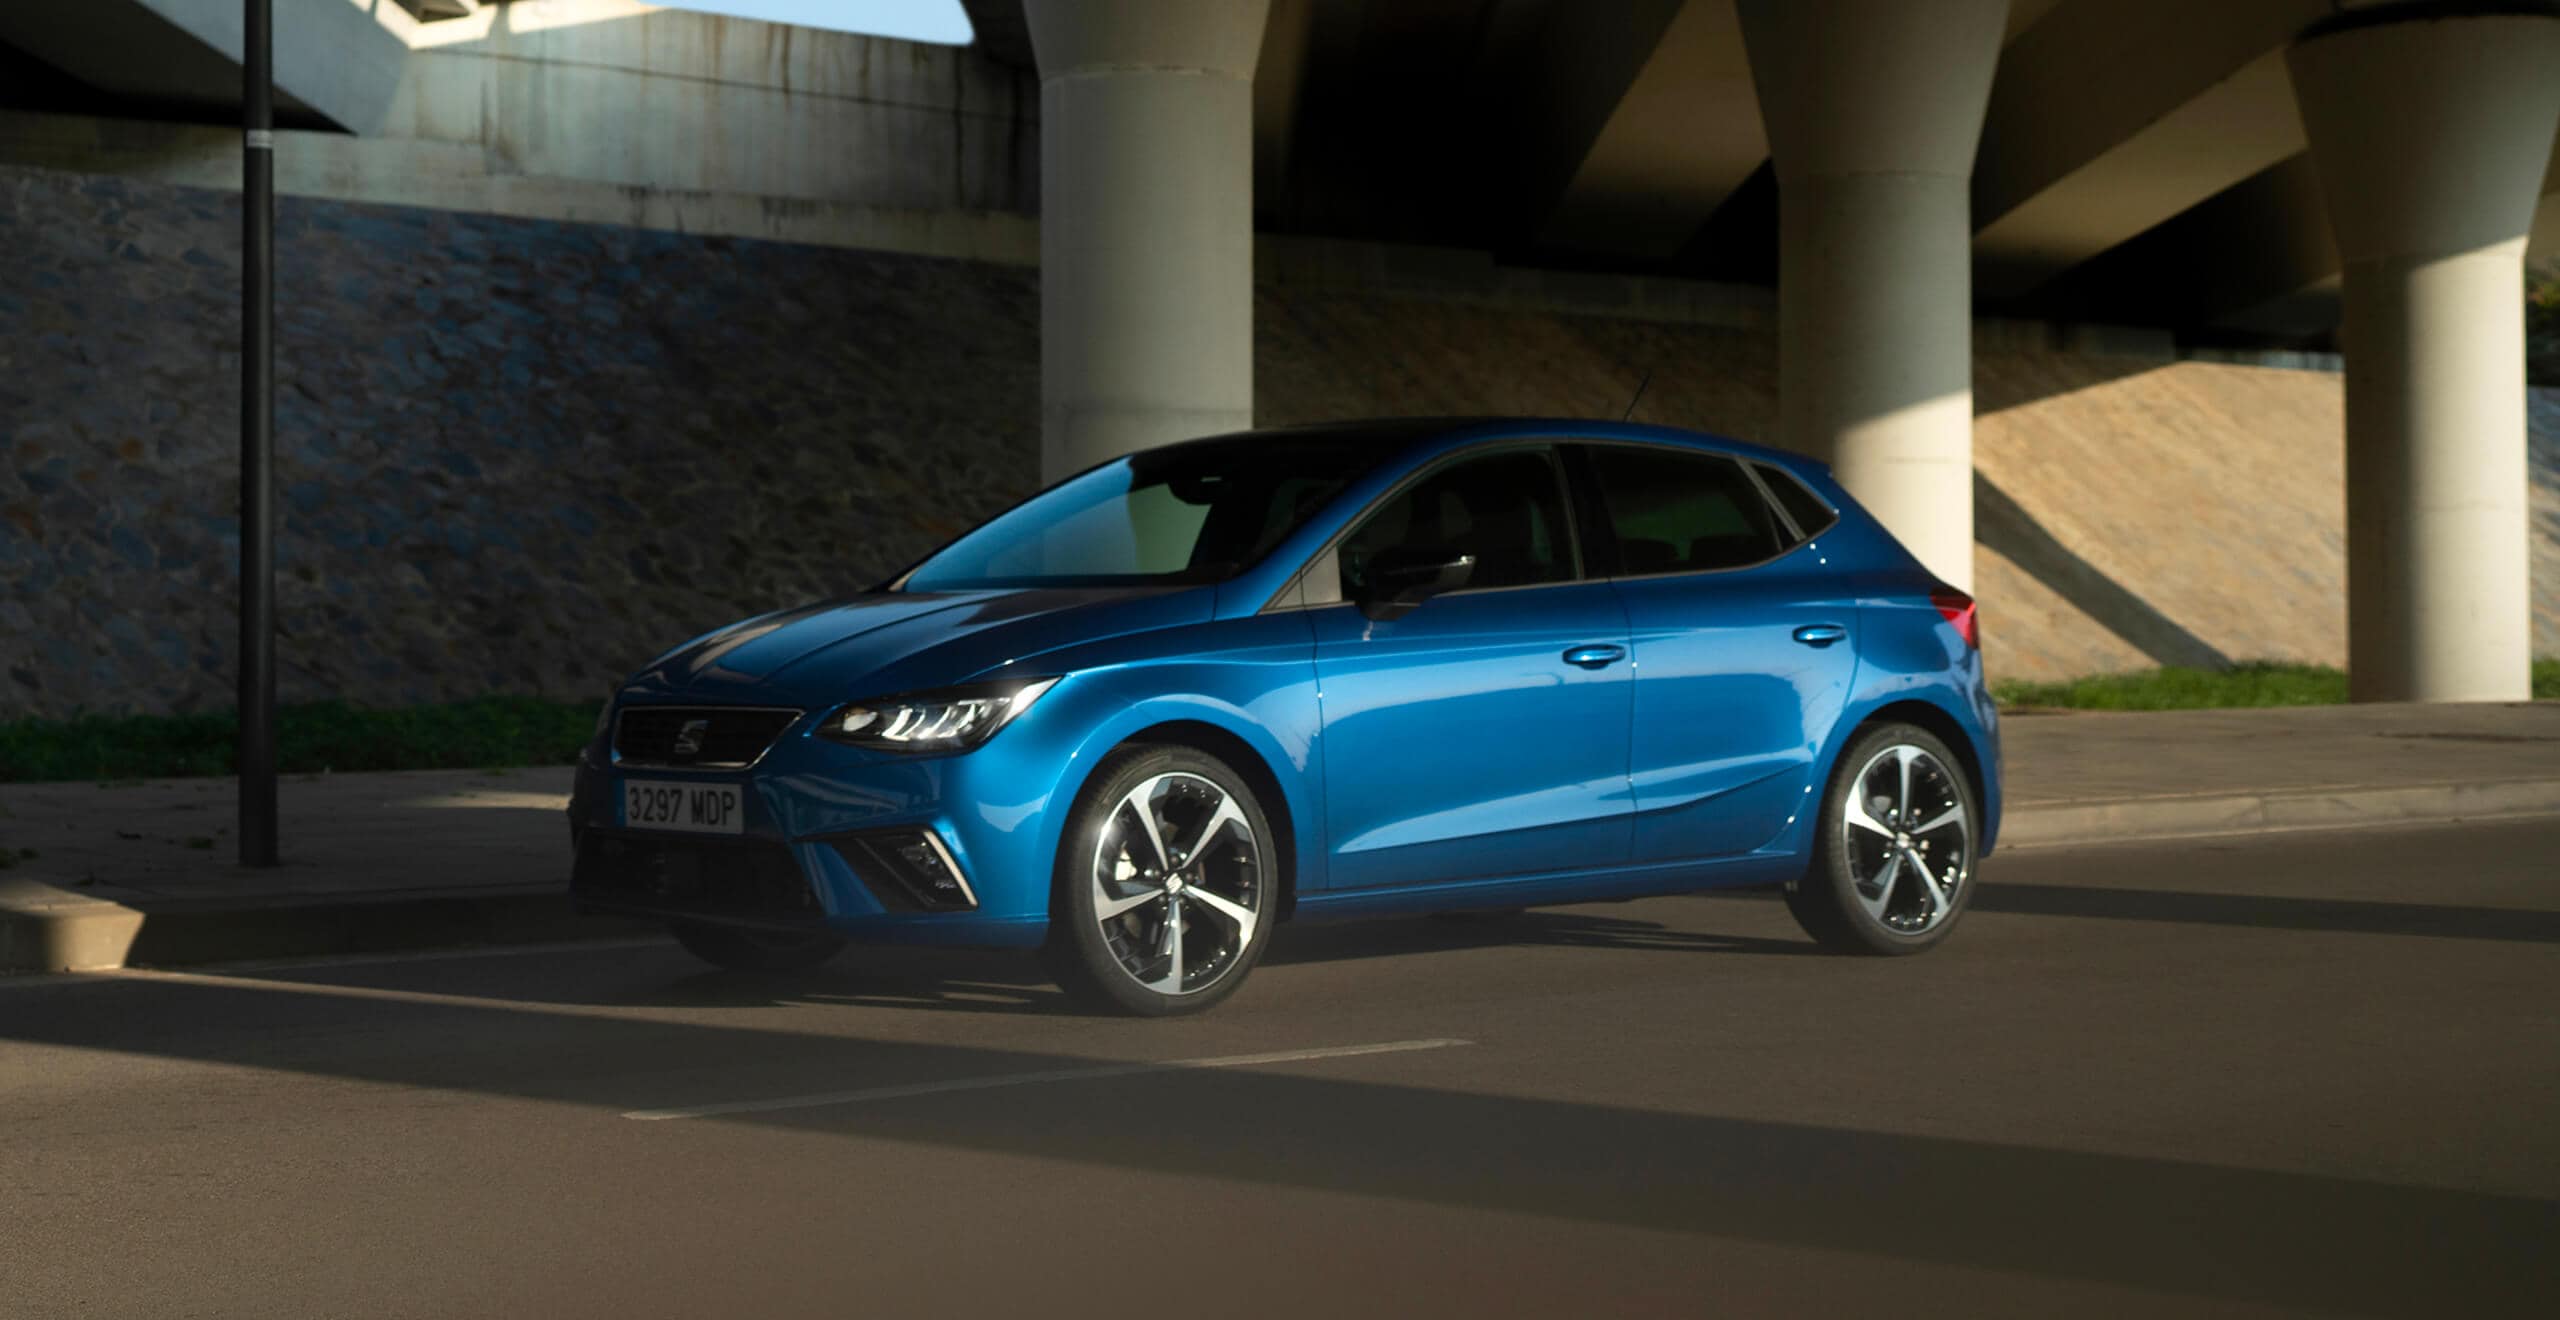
(2303,1073)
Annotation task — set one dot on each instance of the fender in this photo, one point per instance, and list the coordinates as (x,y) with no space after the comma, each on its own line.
(1968,737)
(1232,690)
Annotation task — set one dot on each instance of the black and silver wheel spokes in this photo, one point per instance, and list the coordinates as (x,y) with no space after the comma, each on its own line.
(1907,838)
(1177,883)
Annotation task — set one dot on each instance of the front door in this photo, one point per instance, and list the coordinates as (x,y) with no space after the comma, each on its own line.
(1484,734)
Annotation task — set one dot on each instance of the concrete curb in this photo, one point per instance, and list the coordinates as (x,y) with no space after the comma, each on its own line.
(90,935)
(100,936)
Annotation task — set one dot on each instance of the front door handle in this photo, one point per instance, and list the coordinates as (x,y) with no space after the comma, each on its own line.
(1821,634)
(1595,657)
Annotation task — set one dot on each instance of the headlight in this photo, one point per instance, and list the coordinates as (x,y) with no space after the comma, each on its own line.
(949,720)
(604,719)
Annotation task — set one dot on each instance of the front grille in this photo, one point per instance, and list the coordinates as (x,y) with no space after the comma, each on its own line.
(703,737)
(725,877)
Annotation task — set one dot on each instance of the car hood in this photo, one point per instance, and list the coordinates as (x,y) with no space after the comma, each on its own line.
(885,642)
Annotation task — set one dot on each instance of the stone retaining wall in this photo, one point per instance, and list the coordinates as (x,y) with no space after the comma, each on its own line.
(522,456)
(511,455)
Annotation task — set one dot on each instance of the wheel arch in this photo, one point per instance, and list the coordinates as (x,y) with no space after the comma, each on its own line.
(1939,722)
(1201,736)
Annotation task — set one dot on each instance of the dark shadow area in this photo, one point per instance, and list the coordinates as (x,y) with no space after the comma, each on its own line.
(2285,1239)
(1562,927)
(2002,524)
(1004,981)
(2241,248)
(2269,912)
(958,981)
(1738,244)
(196,85)
(2352,916)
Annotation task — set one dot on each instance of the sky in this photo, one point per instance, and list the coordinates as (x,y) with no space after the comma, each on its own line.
(939,21)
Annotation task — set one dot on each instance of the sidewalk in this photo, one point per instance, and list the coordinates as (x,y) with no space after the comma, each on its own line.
(144,872)
(2084,776)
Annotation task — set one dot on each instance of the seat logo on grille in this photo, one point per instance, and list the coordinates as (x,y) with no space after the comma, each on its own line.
(689,738)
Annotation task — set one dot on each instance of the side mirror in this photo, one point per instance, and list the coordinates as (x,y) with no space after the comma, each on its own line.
(1399,580)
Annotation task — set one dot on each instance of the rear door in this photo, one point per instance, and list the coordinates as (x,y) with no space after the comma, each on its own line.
(1743,649)
(1485,733)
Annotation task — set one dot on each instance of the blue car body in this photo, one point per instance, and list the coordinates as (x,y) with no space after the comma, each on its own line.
(1453,757)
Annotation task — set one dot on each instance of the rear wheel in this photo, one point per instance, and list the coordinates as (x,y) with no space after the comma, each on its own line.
(1892,866)
(742,949)
(1165,884)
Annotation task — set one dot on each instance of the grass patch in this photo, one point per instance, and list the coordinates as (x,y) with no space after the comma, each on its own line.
(2256,683)
(321,737)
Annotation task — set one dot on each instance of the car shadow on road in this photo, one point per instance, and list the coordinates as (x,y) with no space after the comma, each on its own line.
(2167,1226)
(2273,912)
(1000,981)
(2264,911)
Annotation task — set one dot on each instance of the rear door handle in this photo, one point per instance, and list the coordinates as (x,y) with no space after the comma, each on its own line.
(1595,657)
(1821,634)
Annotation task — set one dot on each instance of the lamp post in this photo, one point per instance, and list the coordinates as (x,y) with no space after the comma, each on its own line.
(257,441)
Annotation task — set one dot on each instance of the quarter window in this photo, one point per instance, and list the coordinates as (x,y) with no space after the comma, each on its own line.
(1506,509)
(1812,516)
(1682,512)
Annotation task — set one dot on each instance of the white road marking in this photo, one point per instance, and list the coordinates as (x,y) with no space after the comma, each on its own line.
(1037,1078)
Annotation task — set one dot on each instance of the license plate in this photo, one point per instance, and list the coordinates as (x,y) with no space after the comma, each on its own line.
(685,808)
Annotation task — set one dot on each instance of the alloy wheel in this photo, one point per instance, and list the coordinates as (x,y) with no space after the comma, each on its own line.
(1177,883)
(1907,838)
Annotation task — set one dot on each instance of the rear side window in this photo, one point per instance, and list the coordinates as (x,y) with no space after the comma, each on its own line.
(1812,516)
(1676,511)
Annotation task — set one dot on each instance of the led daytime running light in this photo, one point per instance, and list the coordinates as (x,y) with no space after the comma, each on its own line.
(933,721)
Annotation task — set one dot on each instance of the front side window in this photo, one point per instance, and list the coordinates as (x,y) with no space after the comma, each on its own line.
(1190,513)
(1506,509)
(1678,511)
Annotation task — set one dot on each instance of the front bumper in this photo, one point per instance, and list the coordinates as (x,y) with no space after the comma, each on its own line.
(872,846)
(738,881)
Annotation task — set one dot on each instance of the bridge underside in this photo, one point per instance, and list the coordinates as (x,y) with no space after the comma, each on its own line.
(2141,162)
(2196,169)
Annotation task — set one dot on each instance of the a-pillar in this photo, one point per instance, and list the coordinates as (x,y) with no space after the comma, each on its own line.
(1146,222)
(2429,132)
(1874,109)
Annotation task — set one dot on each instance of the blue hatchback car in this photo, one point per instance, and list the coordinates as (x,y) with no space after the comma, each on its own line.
(1152,712)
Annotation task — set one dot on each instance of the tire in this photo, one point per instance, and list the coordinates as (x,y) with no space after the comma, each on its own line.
(1111,943)
(1874,885)
(741,949)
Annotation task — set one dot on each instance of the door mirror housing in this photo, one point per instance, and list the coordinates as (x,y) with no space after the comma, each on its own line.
(1400,580)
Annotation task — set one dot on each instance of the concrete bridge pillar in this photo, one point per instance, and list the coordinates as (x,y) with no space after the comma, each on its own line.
(2429,133)
(1874,109)
(1146,222)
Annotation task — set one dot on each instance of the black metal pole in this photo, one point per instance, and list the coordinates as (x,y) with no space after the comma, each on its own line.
(257,443)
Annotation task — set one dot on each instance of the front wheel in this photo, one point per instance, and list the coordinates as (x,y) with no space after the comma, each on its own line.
(1893,854)
(744,950)
(1165,884)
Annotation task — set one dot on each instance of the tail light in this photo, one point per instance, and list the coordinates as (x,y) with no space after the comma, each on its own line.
(1957,608)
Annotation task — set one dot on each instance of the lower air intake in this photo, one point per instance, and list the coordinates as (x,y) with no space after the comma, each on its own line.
(907,870)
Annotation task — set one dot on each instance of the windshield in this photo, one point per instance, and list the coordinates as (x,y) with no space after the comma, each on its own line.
(1191,513)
